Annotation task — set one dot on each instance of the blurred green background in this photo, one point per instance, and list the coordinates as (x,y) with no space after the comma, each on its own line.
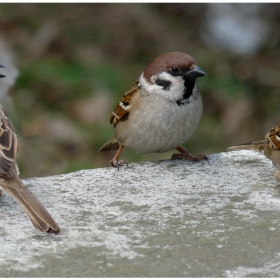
(75,61)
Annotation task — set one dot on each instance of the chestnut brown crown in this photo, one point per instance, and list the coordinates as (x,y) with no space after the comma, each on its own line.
(166,62)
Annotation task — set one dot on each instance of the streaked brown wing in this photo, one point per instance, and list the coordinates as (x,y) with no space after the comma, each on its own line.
(273,137)
(121,111)
(8,144)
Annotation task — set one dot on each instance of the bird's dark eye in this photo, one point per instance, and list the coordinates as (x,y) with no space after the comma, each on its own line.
(175,70)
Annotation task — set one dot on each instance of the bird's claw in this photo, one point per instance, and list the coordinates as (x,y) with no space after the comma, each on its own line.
(189,157)
(117,163)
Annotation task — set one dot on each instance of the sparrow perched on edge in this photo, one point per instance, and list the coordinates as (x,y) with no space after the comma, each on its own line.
(270,147)
(10,181)
(160,111)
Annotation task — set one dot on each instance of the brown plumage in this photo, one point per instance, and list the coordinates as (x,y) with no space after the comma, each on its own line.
(272,140)
(160,111)
(273,137)
(270,147)
(121,111)
(11,183)
(256,146)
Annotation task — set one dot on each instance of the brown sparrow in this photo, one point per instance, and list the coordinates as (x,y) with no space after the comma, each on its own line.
(161,110)
(10,181)
(270,147)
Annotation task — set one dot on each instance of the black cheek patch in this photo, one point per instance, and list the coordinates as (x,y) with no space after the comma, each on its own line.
(163,83)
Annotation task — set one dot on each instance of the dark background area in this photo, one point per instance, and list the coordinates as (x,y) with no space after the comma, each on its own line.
(75,61)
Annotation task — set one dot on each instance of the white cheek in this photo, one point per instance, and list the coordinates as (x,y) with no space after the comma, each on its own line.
(174,93)
(162,76)
(147,86)
(278,138)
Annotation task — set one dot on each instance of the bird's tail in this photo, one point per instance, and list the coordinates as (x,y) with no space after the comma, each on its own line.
(37,213)
(112,144)
(257,146)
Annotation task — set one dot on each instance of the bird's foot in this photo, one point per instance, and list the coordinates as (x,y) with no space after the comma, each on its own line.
(184,154)
(117,163)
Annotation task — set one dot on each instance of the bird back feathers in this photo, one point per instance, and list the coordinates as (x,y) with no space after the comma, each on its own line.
(8,144)
(273,137)
(121,112)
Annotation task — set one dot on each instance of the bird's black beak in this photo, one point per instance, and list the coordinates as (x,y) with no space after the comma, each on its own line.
(1,75)
(195,72)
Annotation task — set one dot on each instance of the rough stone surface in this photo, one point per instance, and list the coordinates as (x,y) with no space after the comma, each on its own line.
(169,218)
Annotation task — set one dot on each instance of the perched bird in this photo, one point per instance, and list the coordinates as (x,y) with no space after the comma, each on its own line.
(160,111)
(10,181)
(270,147)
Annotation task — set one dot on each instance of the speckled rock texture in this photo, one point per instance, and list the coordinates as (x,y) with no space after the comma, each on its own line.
(153,219)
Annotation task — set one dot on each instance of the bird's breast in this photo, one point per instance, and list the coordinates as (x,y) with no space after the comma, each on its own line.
(159,125)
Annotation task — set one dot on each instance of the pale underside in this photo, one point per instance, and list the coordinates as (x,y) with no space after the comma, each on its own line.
(168,127)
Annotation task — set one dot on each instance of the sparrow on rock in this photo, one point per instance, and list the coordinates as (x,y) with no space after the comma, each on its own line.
(270,147)
(10,181)
(160,111)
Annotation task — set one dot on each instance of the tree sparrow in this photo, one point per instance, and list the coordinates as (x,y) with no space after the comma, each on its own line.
(270,147)
(161,110)
(10,181)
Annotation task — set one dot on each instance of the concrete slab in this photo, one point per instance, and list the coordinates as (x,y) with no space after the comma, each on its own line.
(153,219)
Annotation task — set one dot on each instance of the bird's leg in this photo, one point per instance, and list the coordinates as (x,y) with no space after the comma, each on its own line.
(115,162)
(0,193)
(184,154)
